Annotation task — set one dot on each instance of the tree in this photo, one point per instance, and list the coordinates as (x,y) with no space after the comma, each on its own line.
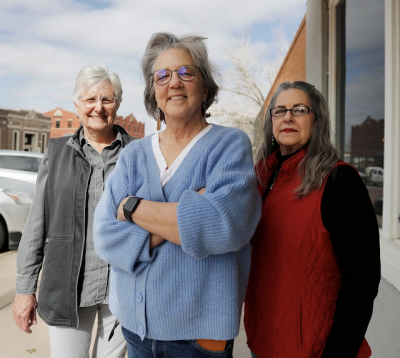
(245,85)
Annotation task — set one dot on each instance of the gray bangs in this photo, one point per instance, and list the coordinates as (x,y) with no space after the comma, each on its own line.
(195,45)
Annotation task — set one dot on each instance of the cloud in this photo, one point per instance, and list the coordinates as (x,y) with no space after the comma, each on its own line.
(44,43)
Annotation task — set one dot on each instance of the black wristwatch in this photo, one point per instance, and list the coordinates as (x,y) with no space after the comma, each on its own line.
(130,206)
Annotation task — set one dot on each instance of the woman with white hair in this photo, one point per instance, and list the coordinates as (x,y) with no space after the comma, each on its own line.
(180,255)
(59,230)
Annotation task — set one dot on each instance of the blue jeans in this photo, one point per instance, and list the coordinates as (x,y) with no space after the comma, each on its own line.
(253,355)
(151,348)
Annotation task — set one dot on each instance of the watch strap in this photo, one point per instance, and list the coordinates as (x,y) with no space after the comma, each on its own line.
(130,206)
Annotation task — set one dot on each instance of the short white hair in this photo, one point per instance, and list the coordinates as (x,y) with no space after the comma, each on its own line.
(93,75)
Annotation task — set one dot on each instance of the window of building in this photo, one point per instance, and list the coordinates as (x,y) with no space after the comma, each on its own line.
(69,123)
(360,91)
(57,124)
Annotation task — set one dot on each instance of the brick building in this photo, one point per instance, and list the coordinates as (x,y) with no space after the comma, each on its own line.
(293,68)
(134,128)
(367,144)
(24,130)
(63,123)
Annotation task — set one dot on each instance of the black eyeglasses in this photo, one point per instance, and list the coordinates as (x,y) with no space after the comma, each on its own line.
(295,111)
(185,73)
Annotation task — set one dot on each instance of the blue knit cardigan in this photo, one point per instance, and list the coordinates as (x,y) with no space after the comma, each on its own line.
(195,290)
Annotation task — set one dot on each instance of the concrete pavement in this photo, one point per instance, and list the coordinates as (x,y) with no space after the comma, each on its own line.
(17,344)
(382,333)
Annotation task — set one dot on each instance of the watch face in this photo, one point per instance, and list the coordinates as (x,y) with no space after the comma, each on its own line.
(130,204)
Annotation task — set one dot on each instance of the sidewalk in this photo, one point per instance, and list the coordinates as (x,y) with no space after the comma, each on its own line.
(17,344)
(13,342)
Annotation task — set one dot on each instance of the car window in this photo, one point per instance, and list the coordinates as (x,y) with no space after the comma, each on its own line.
(27,164)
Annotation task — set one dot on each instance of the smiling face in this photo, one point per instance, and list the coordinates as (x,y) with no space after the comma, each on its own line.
(97,119)
(292,132)
(179,100)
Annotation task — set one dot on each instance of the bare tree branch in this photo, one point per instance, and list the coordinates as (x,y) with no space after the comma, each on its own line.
(248,81)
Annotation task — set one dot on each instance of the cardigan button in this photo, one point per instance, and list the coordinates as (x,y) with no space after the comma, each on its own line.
(141,329)
(139,297)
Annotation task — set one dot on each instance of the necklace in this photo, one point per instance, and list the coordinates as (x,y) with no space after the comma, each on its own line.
(276,175)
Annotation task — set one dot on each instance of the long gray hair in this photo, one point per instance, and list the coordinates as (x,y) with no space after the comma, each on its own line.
(195,45)
(321,155)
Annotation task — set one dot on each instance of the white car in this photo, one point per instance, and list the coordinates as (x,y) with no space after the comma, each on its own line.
(18,173)
(15,201)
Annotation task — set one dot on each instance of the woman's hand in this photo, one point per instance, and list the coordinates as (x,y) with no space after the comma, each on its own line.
(155,240)
(120,213)
(202,191)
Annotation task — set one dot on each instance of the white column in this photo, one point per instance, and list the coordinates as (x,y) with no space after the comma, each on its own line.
(390,235)
(317,44)
(391,188)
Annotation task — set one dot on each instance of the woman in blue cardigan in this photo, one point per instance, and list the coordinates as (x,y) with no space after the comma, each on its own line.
(179,253)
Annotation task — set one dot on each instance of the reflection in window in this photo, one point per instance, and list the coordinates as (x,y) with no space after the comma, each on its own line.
(360,97)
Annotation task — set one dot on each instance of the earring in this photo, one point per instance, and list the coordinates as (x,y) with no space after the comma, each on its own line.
(159,120)
(272,140)
(204,106)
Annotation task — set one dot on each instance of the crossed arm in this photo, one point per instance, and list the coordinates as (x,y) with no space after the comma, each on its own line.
(160,219)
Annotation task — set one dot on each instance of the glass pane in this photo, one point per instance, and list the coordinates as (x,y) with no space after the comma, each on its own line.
(361,78)
(27,164)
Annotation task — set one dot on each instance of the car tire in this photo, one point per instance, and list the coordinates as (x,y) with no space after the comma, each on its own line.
(3,236)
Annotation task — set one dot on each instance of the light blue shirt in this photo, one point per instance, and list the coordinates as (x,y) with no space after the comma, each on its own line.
(195,290)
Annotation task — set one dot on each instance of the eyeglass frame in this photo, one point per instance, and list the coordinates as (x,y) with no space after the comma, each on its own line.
(166,69)
(99,99)
(310,110)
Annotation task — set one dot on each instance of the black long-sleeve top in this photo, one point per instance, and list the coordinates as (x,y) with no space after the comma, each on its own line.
(349,217)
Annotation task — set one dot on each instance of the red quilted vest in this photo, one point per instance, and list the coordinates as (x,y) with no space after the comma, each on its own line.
(294,278)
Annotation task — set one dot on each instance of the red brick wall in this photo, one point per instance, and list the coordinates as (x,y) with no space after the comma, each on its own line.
(64,120)
(134,128)
(294,65)
(292,69)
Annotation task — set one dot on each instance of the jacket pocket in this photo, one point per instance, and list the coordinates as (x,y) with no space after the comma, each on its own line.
(55,286)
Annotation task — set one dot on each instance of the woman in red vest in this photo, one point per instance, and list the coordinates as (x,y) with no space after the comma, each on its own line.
(315,264)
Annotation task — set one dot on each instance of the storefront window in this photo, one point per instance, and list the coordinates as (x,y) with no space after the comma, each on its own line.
(360,98)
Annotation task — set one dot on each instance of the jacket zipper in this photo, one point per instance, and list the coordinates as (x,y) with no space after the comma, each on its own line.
(84,234)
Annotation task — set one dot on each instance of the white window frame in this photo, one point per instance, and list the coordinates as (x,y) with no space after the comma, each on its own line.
(15,146)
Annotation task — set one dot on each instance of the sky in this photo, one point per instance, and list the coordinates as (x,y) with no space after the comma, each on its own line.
(44,43)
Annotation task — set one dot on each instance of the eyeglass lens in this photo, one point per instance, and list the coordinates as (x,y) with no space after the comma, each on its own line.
(106,102)
(185,73)
(296,111)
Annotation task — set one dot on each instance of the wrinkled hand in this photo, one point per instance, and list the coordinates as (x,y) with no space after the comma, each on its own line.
(120,213)
(202,191)
(24,311)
